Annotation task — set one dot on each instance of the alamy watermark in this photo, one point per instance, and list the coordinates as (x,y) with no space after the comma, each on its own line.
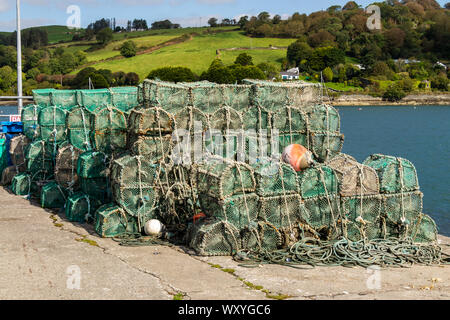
(74,20)
(374,279)
(374,21)
(73,277)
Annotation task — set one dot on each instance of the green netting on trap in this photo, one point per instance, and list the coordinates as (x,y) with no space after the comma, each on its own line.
(258,119)
(275,178)
(261,236)
(318,180)
(325,145)
(66,99)
(42,97)
(362,209)
(290,119)
(66,167)
(172,97)
(52,124)
(30,116)
(124,98)
(403,208)
(21,184)
(192,120)
(283,211)
(225,119)
(112,221)
(323,213)
(357,231)
(209,97)
(284,140)
(8,175)
(92,164)
(96,188)
(39,156)
(258,147)
(151,121)
(110,125)
(424,229)
(354,178)
(81,208)
(322,118)
(396,174)
(239,210)
(3,155)
(214,238)
(154,148)
(80,126)
(221,178)
(136,184)
(53,196)
(16,151)
(92,99)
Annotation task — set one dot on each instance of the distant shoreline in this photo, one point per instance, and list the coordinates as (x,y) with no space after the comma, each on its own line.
(435,99)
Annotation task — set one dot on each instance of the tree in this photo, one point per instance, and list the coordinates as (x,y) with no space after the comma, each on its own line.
(321,38)
(299,53)
(7,77)
(270,70)
(264,17)
(98,81)
(212,22)
(165,24)
(240,72)
(394,93)
(243,21)
(173,74)
(128,49)
(105,36)
(131,79)
(276,19)
(327,74)
(244,59)
(440,82)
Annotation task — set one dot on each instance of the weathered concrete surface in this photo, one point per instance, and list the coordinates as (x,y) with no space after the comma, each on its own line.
(36,250)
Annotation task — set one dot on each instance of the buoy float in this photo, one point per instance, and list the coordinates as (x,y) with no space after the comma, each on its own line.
(297,156)
(199,216)
(153,227)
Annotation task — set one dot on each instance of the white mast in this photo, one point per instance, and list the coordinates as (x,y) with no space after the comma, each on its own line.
(19,59)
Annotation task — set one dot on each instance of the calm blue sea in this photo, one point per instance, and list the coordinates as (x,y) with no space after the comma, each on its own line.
(420,134)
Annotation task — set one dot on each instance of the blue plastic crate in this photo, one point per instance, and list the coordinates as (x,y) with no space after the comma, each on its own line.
(12,127)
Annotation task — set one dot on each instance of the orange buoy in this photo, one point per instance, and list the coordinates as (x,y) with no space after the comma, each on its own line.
(297,156)
(198,217)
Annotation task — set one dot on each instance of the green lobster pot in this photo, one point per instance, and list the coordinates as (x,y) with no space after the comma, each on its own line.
(30,116)
(42,97)
(124,98)
(275,178)
(290,119)
(67,99)
(53,196)
(80,127)
(283,211)
(52,124)
(91,99)
(92,164)
(367,208)
(21,184)
(80,207)
(325,145)
(110,129)
(323,118)
(323,211)
(424,230)
(96,188)
(318,181)
(261,236)
(172,97)
(40,158)
(402,208)
(112,221)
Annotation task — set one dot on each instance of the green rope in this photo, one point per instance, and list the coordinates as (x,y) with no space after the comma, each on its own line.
(383,252)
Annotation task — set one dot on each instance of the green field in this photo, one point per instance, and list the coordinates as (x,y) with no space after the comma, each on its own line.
(198,53)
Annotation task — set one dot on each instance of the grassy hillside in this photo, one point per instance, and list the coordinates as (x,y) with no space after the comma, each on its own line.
(55,33)
(196,54)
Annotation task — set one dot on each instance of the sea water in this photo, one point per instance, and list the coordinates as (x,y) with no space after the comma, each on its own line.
(420,134)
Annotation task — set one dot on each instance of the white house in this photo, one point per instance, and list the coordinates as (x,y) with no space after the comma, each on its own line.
(291,74)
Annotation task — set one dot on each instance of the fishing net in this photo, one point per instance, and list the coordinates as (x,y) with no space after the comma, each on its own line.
(53,196)
(275,178)
(66,167)
(124,98)
(92,164)
(96,188)
(283,211)
(79,125)
(214,238)
(354,178)
(323,213)
(403,208)
(172,97)
(325,145)
(239,210)
(66,99)
(112,221)
(110,125)
(42,97)
(81,208)
(261,236)
(153,148)
(317,181)
(30,115)
(91,99)
(290,120)
(424,230)
(21,184)
(16,151)
(396,174)
(8,175)
(151,121)
(39,156)
(209,97)
(52,124)
(221,178)
(322,118)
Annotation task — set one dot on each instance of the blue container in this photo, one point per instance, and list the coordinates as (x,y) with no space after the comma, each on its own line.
(12,127)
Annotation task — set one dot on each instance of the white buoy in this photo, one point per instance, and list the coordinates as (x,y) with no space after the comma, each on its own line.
(153,227)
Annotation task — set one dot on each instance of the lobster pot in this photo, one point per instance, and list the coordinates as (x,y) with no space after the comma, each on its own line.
(92,164)
(269,95)
(17,149)
(42,97)
(396,174)
(53,196)
(66,167)
(81,208)
(151,121)
(67,99)
(323,212)
(224,146)
(209,97)
(39,158)
(258,147)
(172,97)
(222,178)
(304,94)
(323,118)
(325,145)
(239,210)
(289,120)
(357,231)
(154,148)
(112,221)
(226,121)
(257,119)
(286,139)
(52,124)
(91,99)
(362,208)
(21,184)
(214,238)
(403,207)
(124,98)
(192,121)
(136,184)
(275,178)
(30,116)
(283,211)
(261,236)
(424,230)
(355,178)
(318,181)
(79,125)
(96,188)
(110,129)
(8,175)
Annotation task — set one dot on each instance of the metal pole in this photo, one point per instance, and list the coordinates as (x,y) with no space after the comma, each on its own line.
(19,59)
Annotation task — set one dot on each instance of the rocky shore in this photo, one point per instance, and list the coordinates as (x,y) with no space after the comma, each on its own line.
(410,100)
